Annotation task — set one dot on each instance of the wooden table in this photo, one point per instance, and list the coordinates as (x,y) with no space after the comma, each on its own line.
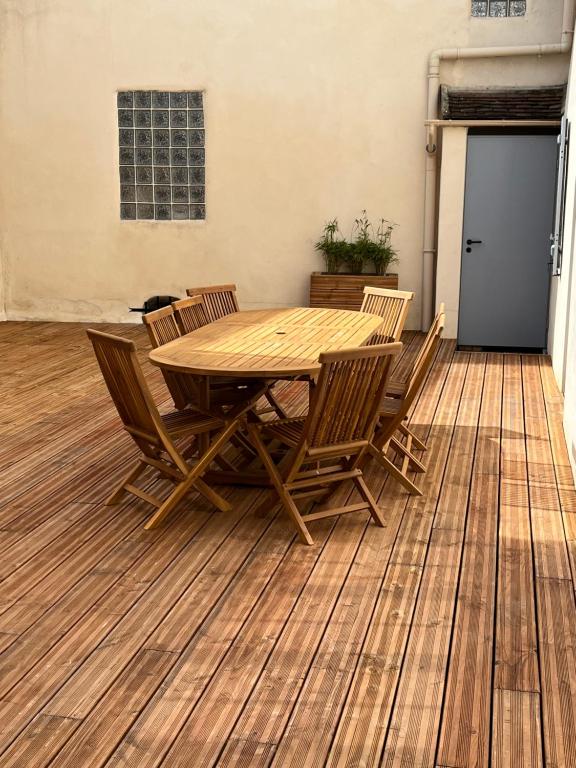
(262,344)
(266,343)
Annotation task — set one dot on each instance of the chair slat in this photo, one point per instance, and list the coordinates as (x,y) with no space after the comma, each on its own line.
(190,314)
(219,300)
(392,306)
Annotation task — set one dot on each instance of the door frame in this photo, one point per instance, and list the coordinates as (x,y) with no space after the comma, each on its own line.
(453,150)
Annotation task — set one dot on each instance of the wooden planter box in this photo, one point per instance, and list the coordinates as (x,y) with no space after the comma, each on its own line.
(345,291)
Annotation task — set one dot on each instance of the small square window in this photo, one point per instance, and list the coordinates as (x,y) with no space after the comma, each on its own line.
(145,211)
(160,118)
(180,175)
(498,8)
(144,174)
(162,194)
(180,212)
(126,137)
(142,118)
(127,193)
(127,174)
(161,154)
(178,156)
(178,138)
(143,156)
(161,137)
(161,157)
(143,138)
(178,118)
(517,7)
(127,211)
(161,175)
(179,194)
(163,212)
(178,100)
(160,99)
(145,193)
(143,99)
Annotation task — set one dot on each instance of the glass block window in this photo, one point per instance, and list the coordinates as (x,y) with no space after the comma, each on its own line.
(498,8)
(162,155)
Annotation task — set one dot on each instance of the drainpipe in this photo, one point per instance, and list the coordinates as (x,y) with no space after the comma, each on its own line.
(454,54)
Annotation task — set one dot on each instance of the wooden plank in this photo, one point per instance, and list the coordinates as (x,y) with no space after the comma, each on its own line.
(516,651)
(466,720)
(557,634)
(415,717)
(517,738)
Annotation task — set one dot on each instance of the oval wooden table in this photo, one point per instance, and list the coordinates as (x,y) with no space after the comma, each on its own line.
(266,343)
(262,344)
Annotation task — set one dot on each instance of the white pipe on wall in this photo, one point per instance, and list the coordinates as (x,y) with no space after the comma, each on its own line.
(454,54)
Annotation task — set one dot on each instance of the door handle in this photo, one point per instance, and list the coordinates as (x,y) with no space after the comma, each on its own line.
(473,242)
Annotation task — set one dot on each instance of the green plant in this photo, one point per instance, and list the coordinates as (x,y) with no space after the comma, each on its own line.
(384,254)
(333,247)
(365,248)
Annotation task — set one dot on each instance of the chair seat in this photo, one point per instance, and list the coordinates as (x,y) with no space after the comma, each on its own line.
(289,431)
(190,422)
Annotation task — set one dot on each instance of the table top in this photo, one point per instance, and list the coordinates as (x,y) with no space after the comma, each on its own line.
(266,343)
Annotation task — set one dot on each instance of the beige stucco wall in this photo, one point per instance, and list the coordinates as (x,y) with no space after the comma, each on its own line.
(562,331)
(450,223)
(314,109)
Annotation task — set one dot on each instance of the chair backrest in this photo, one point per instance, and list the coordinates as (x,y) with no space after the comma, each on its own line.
(392,306)
(161,326)
(425,359)
(431,336)
(129,391)
(190,314)
(346,400)
(219,300)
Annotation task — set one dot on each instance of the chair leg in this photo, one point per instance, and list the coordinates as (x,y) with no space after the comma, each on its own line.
(417,443)
(285,498)
(118,494)
(414,463)
(364,491)
(393,470)
(213,497)
(195,474)
(273,400)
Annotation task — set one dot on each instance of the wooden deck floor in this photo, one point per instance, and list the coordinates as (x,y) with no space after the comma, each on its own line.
(447,638)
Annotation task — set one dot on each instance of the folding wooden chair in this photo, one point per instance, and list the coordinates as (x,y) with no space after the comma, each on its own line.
(394,412)
(184,389)
(155,435)
(190,314)
(162,327)
(219,300)
(338,429)
(392,306)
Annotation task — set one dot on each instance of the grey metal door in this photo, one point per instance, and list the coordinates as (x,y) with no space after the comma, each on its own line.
(508,217)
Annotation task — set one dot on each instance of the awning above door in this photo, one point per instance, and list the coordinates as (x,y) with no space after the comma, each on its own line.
(517,103)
